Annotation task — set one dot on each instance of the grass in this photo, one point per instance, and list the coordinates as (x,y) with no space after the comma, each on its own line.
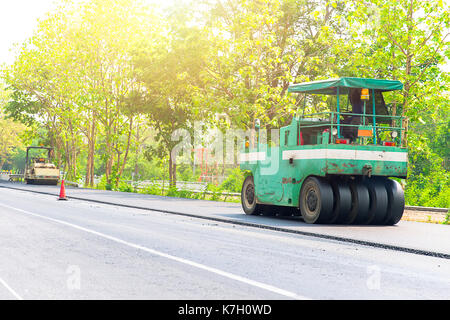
(447,218)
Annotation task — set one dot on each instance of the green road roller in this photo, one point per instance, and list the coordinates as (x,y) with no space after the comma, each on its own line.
(338,166)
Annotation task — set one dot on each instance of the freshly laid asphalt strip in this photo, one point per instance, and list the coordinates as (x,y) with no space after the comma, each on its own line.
(412,237)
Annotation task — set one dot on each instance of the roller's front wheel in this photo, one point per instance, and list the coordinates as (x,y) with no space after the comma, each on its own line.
(316,200)
(248,197)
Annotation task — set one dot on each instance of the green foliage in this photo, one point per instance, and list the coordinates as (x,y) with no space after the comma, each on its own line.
(427,196)
(447,218)
(233,182)
(103,184)
(172,192)
(214,191)
(185,194)
(11,134)
(184,173)
(428,183)
(125,187)
(152,189)
(122,186)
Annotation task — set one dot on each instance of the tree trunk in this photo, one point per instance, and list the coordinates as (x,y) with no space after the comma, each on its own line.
(174,173)
(89,178)
(125,157)
(92,151)
(137,152)
(170,170)
(88,166)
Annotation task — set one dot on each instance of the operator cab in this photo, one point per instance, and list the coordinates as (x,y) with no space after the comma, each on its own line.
(357,113)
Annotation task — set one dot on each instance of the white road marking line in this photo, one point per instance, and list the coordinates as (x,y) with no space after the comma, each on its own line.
(10,289)
(171,257)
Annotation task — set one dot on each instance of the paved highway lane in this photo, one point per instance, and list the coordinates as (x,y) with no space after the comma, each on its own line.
(80,250)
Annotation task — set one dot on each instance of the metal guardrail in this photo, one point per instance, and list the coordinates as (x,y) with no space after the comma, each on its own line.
(181,185)
(15,177)
(431,209)
(71,183)
(233,194)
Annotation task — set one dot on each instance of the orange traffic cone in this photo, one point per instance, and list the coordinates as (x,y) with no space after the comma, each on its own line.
(62,192)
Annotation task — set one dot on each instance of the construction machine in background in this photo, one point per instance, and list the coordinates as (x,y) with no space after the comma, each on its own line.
(40,170)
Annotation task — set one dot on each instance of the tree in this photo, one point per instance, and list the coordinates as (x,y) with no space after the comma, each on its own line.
(74,76)
(170,71)
(260,48)
(402,40)
(10,133)
(408,41)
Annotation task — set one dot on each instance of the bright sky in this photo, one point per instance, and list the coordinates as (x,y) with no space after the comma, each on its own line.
(18,19)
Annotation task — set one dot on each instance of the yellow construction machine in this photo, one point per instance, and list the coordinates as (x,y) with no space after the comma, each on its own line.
(40,170)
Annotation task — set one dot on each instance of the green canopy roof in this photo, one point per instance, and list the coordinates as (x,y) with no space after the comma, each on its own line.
(329,86)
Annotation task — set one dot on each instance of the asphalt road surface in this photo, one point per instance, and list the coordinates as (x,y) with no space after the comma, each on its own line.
(78,249)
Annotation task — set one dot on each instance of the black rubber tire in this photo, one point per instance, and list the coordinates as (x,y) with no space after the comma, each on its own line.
(378,200)
(316,200)
(396,202)
(248,197)
(359,213)
(342,201)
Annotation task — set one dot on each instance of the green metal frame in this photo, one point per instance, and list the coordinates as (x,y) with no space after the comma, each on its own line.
(331,115)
